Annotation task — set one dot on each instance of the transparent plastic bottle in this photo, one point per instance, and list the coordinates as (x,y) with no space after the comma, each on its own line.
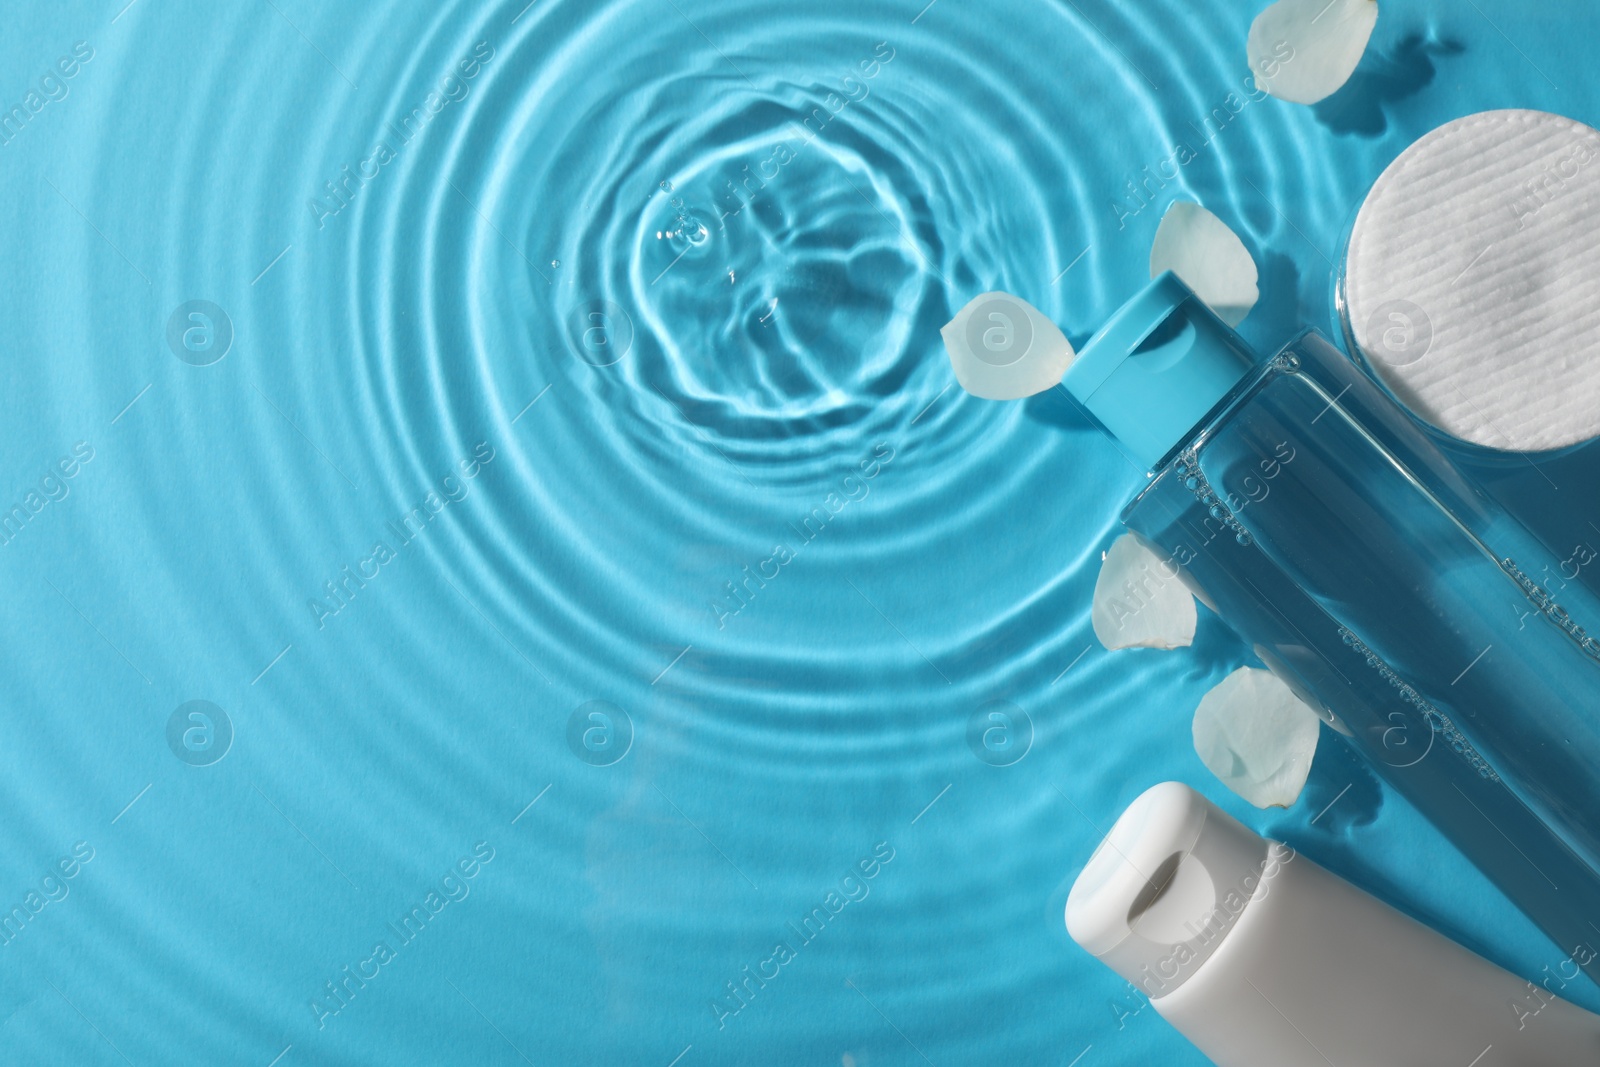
(1312,512)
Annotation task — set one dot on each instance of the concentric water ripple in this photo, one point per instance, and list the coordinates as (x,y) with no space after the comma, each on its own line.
(584,487)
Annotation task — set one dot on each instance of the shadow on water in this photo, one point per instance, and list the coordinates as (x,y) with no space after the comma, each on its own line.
(1341,793)
(1278,314)
(1217,650)
(1056,407)
(1381,80)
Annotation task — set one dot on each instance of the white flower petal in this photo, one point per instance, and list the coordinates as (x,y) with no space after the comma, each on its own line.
(1254,734)
(1304,50)
(1200,248)
(1139,601)
(1003,348)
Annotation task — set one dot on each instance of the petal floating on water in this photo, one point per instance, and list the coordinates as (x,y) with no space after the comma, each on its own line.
(1139,601)
(1253,733)
(1003,348)
(1200,248)
(1304,50)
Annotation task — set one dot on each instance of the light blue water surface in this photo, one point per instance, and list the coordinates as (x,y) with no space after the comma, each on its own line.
(618,304)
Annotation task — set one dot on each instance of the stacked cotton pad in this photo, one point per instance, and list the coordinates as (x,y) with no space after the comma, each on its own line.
(1472,281)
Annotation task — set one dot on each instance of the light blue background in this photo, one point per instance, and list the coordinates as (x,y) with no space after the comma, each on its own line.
(393,333)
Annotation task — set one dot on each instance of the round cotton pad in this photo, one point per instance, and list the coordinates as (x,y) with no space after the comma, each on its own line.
(1472,280)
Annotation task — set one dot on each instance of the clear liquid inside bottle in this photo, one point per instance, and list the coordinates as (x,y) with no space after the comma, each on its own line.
(1390,590)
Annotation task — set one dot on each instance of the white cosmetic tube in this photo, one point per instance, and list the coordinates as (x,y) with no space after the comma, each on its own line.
(1264,959)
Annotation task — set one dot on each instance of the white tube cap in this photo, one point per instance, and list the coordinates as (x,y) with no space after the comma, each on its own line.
(1165,886)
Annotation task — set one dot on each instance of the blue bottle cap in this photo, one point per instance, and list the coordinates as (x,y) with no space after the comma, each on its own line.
(1157,368)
